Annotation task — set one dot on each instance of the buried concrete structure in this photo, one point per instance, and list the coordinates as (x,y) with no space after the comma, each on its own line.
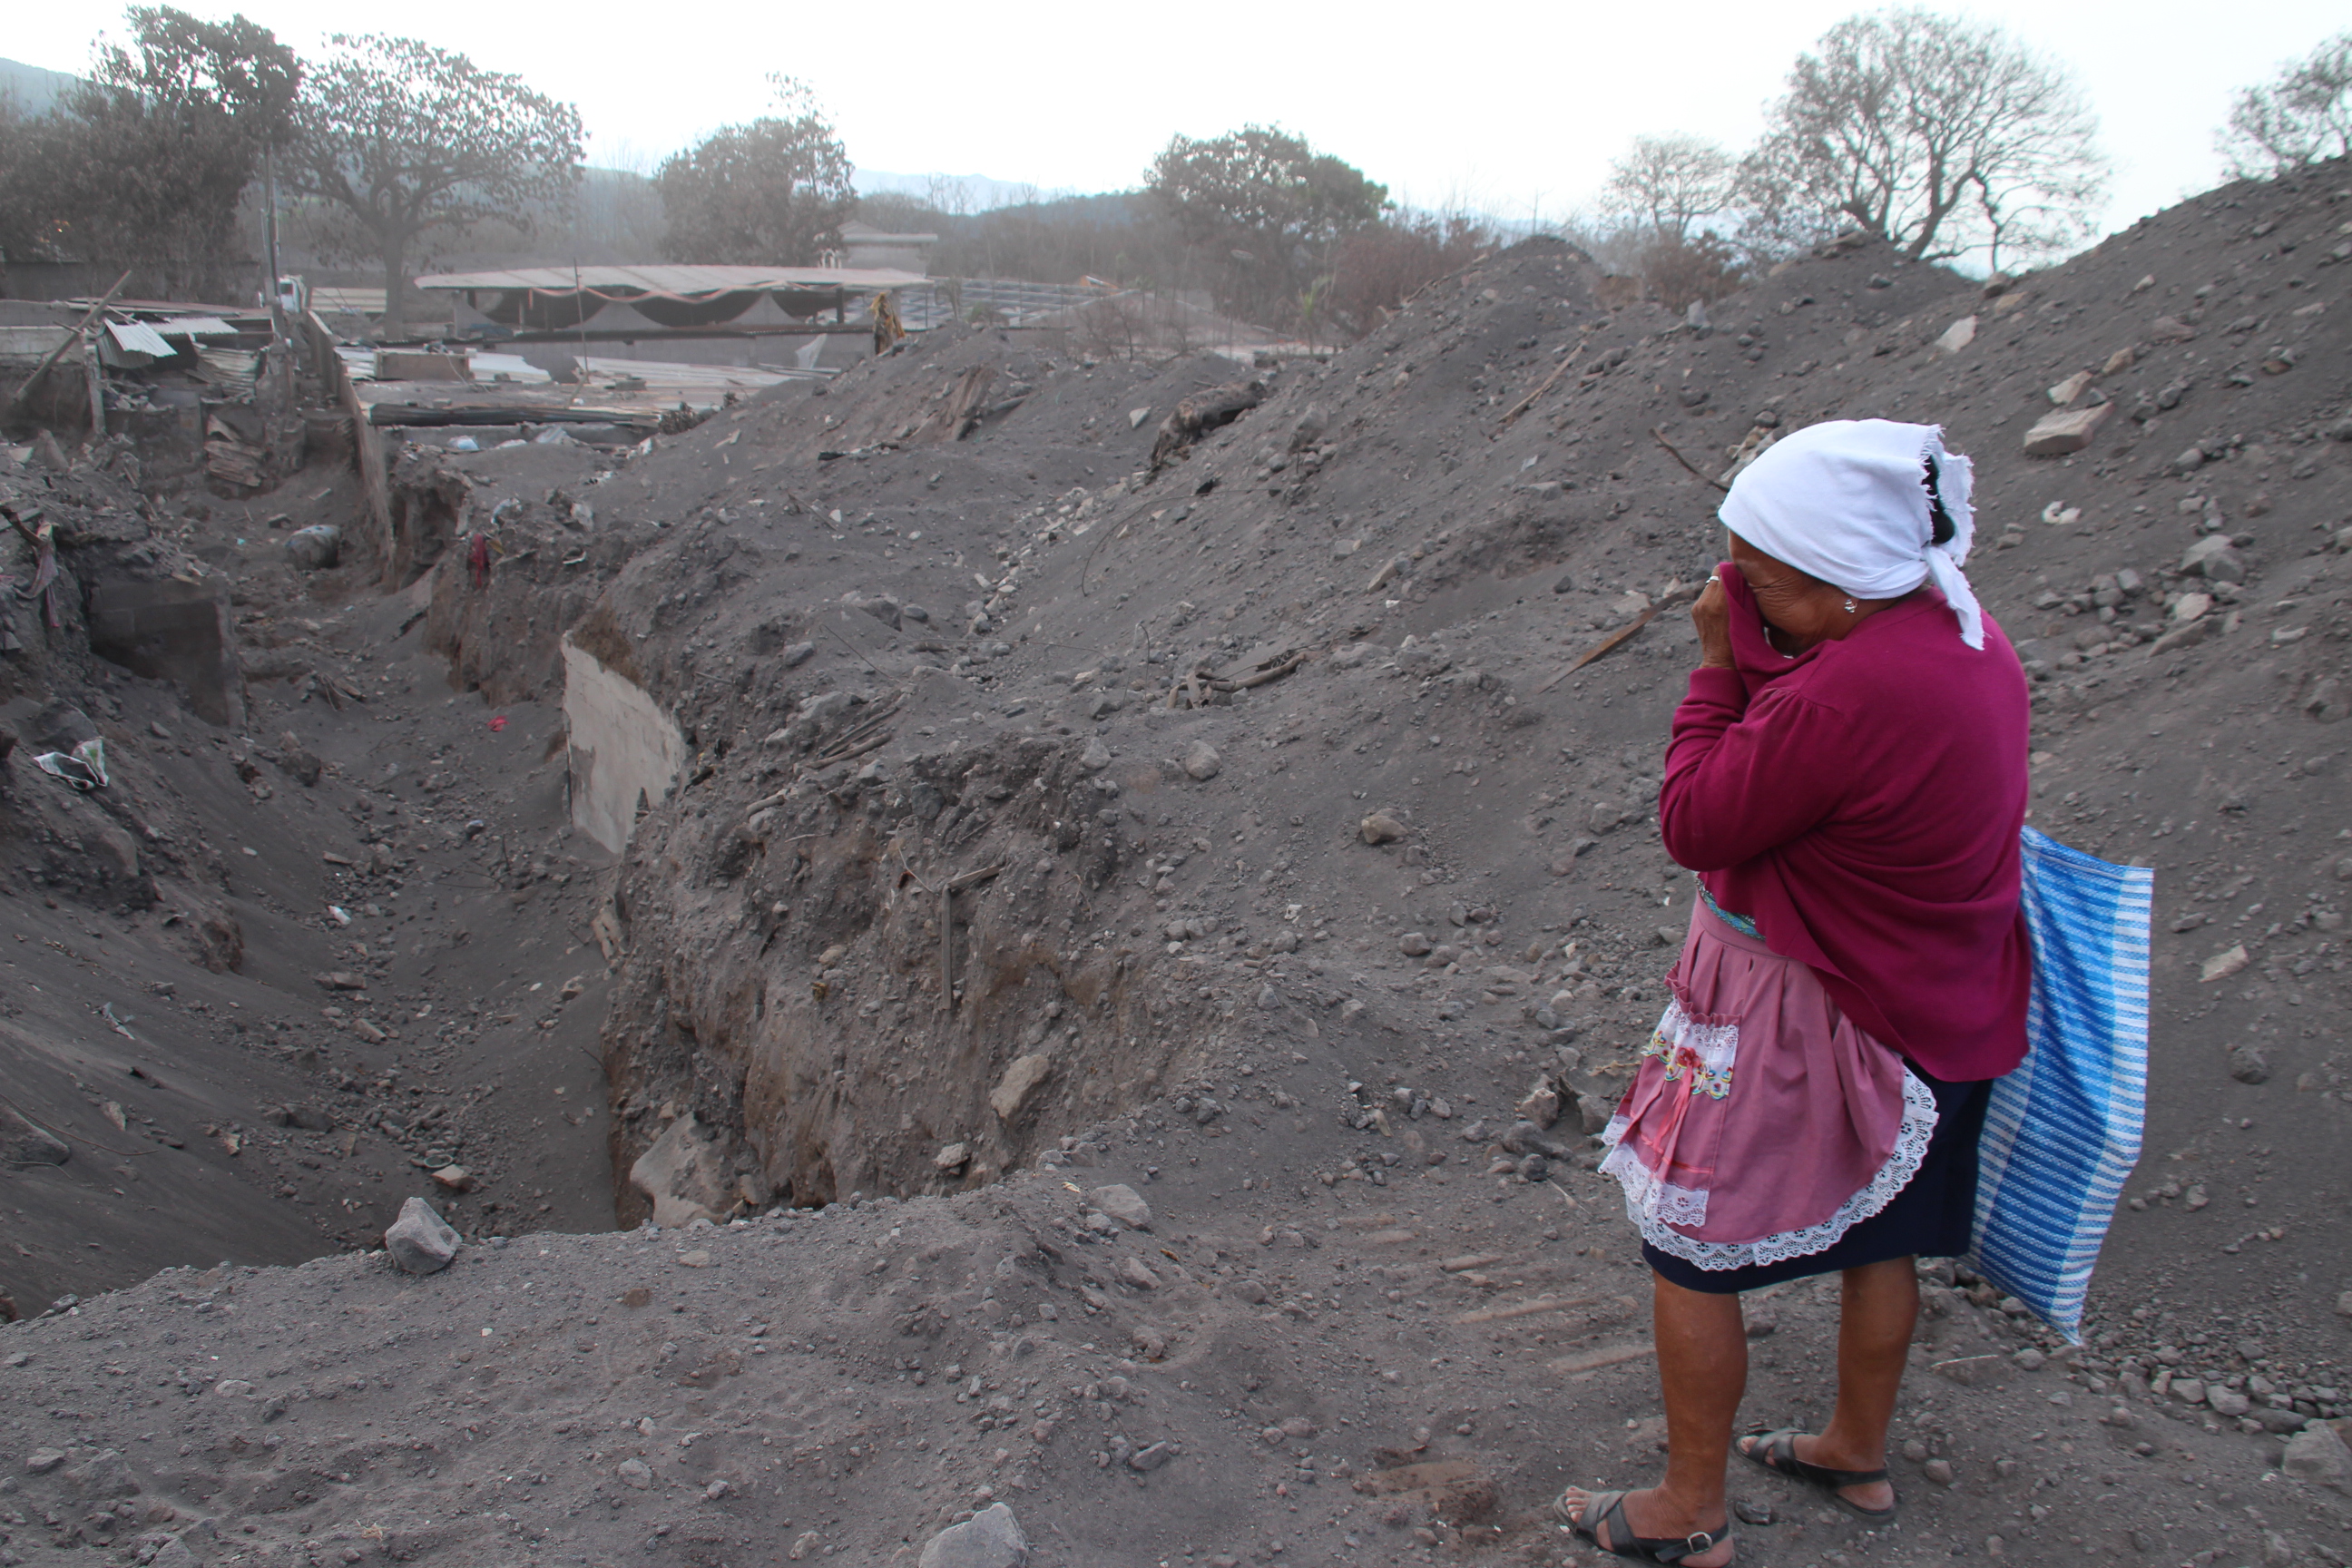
(171,629)
(623,748)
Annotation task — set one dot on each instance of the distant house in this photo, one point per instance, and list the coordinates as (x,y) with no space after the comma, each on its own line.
(864,246)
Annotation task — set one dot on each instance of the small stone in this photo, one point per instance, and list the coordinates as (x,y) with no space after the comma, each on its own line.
(697,1258)
(1152,1457)
(233,1388)
(2214,558)
(1123,1204)
(2317,1455)
(2072,387)
(1753,1510)
(1540,1104)
(2071,430)
(2344,1304)
(175,1554)
(41,1461)
(420,1241)
(1596,1110)
(952,1157)
(1416,945)
(636,1473)
(2188,1390)
(2029,1359)
(23,1144)
(1380,828)
(455,1178)
(1202,762)
(989,1539)
(716,1490)
(1096,757)
(2223,966)
(1020,1081)
(797,654)
(1939,1471)
(2228,1402)
(2248,1065)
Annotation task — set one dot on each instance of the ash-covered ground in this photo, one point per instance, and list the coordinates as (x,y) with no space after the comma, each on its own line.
(1240,833)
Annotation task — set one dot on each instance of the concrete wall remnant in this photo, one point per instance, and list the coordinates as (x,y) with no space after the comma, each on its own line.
(622,746)
(172,629)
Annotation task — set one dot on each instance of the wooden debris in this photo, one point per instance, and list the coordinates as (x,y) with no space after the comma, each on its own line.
(1675,593)
(1197,687)
(1196,415)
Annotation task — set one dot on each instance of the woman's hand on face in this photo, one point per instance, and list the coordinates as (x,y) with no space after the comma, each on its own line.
(1711,615)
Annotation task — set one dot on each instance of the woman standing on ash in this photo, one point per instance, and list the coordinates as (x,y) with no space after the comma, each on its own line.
(1847,775)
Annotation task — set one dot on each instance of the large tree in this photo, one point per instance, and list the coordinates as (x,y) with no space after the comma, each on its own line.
(1941,136)
(1266,209)
(1669,183)
(142,164)
(405,145)
(2302,115)
(771,191)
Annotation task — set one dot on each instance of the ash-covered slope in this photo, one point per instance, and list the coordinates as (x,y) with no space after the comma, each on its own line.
(1441,563)
(1372,1319)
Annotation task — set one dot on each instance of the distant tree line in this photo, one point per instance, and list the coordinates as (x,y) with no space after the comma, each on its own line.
(1945,137)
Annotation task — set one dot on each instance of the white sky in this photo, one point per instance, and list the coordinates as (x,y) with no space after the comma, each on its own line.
(1506,108)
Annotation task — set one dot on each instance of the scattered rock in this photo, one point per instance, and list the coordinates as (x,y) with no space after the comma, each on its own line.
(2223,966)
(455,1178)
(2317,1455)
(41,1461)
(2069,430)
(2248,1065)
(636,1473)
(952,1157)
(1122,1204)
(1020,1081)
(23,1144)
(1939,1471)
(420,1240)
(1380,828)
(1202,762)
(2214,558)
(1416,945)
(989,1539)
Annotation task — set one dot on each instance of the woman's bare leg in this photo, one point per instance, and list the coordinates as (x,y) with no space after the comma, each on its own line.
(1703,1368)
(1878,1307)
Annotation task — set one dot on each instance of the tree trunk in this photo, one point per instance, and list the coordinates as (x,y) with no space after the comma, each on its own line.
(394,253)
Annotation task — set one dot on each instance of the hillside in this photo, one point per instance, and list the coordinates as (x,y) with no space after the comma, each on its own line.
(978,894)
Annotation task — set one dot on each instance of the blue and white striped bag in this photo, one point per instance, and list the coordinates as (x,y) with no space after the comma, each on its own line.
(2063,1131)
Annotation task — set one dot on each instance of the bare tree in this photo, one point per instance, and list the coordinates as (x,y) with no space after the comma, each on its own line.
(2302,115)
(1670,183)
(1938,136)
(401,143)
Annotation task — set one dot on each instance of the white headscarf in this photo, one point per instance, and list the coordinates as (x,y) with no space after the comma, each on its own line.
(1847,502)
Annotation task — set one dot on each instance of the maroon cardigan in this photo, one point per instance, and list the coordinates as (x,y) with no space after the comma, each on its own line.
(1861,803)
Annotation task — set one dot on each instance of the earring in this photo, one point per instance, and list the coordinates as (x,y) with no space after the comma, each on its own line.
(1849,605)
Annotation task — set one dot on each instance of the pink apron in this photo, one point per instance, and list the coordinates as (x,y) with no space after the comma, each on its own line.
(1762,1124)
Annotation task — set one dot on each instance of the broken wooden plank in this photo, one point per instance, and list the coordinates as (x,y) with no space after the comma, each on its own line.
(1607,1355)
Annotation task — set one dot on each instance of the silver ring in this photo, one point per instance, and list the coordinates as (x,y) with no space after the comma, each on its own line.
(1715,577)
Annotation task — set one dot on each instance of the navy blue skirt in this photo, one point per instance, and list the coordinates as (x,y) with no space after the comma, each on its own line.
(1932,1216)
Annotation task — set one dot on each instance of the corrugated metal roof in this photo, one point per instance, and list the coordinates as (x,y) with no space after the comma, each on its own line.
(139,338)
(677,280)
(194,327)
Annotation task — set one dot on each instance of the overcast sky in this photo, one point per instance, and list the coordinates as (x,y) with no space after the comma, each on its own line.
(1513,108)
